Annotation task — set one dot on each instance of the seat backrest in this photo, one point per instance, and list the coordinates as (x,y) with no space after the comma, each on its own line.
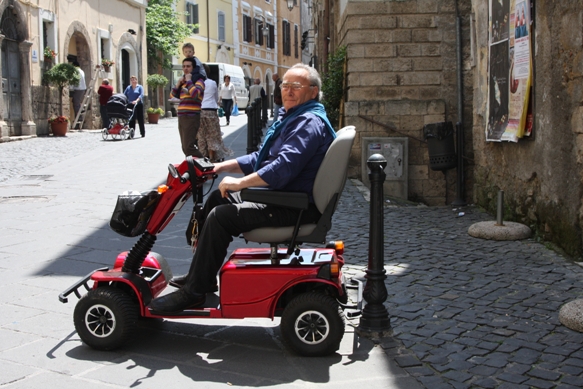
(328,182)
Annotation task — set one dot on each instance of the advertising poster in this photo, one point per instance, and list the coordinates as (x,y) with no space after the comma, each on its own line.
(510,71)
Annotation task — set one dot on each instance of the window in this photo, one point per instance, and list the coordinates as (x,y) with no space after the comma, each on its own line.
(271,36)
(259,32)
(296,32)
(221,26)
(192,15)
(49,33)
(247,29)
(285,30)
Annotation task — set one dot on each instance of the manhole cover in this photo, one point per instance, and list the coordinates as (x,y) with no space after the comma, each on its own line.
(25,199)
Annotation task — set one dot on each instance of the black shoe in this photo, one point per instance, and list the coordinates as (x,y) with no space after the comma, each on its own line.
(144,135)
(228,122)
(177,301)
(179,281)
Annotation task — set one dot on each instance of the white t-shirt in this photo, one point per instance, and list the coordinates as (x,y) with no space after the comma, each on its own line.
(211,94)
(228,92)
(81,85)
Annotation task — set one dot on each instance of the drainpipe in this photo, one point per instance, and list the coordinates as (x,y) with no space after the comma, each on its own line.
(459,201)
(208,33)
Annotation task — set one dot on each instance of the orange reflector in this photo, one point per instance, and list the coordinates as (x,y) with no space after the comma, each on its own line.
(339,247)
(162,188)
(334,269)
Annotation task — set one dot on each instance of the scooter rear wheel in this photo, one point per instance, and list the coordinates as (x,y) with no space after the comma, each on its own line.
(105,318)
(312,324)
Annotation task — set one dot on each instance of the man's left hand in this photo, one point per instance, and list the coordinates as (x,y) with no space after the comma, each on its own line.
(230,184)
(188,77)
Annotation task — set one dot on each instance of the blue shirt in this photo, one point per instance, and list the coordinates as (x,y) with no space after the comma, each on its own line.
(133,94)
(295,155)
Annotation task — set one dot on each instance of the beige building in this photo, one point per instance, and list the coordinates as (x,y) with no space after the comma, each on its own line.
(85,32)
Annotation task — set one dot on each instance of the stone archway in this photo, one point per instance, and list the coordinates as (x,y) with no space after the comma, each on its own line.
(77,47)
(15,99)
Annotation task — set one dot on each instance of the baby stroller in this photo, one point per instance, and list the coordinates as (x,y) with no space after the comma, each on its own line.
(120,114)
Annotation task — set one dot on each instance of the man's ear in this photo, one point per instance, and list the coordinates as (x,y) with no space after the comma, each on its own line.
(315,92)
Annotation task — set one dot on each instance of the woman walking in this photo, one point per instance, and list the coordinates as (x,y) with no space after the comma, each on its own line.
(227,96)
(135,94)
(210,140)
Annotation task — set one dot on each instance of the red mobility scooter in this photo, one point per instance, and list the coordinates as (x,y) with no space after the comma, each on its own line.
(305,286)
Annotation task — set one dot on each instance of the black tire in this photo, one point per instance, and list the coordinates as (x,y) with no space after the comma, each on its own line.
(312,325)
(106,318)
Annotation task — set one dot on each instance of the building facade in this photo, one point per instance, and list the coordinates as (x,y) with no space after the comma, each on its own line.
(87,33)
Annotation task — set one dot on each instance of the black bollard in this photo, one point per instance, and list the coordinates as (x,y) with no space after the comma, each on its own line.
(375,321)
(250,129)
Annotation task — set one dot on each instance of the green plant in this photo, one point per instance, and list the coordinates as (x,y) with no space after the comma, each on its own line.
(153,110)
(58,119)
(60,76)
(49,53)
(156,80)
(333,85)
(164,32)
(107,62)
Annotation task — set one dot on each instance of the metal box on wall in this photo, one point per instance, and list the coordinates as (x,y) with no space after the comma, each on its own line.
(396,152)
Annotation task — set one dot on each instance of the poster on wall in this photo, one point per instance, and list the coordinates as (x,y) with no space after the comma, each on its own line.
(510,71)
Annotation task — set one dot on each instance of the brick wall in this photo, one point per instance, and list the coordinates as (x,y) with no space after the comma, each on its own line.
(402,72)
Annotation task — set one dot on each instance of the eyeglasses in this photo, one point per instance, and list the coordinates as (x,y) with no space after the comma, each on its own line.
(293,85)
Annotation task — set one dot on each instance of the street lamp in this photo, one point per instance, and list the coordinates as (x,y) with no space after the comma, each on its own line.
(290,4)
(264,29)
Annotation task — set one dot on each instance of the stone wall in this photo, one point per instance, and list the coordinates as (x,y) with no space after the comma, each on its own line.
(402,73)
(541,176)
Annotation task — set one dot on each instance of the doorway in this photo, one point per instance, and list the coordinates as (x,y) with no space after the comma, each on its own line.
(11,79)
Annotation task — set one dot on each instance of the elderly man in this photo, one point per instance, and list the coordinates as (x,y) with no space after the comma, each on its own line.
(256,90)
(105,91)
(288,160)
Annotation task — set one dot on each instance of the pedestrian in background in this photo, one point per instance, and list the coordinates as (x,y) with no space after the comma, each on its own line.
(78,90)
(276,96)
(227,96)
(135,94)
(255,91)
(190,92)
(105,91)
(210,139)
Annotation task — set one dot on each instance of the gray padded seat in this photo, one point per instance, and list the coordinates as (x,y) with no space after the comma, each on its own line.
(328,187)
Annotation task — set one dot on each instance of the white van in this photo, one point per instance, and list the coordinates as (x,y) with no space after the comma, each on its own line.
(219,70)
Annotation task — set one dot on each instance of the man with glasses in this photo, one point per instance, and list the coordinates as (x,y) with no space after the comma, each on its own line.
(291,154)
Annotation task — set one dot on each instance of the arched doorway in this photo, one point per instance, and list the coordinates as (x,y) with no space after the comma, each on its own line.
(129,62)
(77,47)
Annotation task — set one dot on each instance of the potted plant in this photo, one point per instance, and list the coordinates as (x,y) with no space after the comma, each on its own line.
(107,63)
(60,76)
(154,114)
(156,81)
(59,125)
(49,54)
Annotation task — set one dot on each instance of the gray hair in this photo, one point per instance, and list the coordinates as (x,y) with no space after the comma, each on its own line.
(313,77)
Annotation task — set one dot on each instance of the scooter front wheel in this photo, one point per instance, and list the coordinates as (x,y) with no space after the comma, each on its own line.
(312,324)
(105,318)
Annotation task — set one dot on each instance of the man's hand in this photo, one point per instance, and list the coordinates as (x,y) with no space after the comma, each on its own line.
(187,77)
(231,184)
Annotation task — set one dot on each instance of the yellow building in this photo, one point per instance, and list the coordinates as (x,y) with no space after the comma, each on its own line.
(86,32)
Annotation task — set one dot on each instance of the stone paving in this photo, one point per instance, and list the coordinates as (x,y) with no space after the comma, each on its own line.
(465,312)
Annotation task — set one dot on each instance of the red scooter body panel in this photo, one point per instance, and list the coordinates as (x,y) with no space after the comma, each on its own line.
(251,285)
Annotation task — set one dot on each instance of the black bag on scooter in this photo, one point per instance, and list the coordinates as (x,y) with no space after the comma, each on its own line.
(133,211)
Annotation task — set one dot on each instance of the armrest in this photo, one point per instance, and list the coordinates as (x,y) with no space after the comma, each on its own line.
(293,200)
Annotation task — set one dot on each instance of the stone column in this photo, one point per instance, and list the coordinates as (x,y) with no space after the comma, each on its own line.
(28,125)
(4,129)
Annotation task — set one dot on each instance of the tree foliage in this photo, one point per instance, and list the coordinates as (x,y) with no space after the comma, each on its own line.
(164,32)
(333,85)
